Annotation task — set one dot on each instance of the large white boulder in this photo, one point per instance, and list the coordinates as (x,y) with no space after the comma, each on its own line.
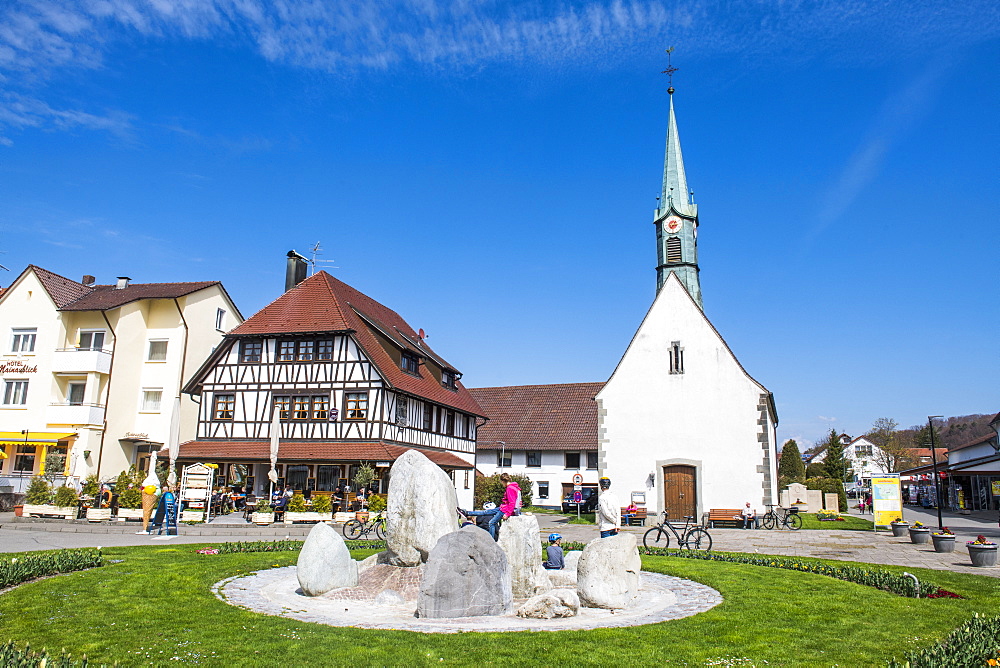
(555,603)
(325,563)
(421,509)
(466,576)
(608,573)
(519,541)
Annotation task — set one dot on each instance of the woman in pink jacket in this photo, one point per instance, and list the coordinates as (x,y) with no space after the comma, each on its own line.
(511,505)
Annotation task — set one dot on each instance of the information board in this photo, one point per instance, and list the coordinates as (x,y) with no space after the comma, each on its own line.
(887,501)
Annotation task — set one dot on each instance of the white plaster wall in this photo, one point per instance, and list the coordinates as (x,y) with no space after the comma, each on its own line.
(707,416)
(553,471)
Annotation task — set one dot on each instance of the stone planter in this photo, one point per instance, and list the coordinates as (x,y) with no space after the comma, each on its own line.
(262,518)
(129,514)
(983,555)
(944,543)
(189,515)
(361,516)
(920,536)
(98,514)
(899,530)
(68,512)
(291,517)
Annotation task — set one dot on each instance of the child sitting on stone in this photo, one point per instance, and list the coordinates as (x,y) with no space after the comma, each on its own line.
(554,552)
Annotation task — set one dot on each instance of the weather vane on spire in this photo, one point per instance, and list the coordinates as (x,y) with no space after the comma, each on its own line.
(670,72)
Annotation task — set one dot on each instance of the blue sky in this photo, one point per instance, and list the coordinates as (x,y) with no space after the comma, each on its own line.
(489,170)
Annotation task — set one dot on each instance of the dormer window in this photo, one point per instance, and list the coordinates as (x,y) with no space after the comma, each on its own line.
(410,363)
(448,379)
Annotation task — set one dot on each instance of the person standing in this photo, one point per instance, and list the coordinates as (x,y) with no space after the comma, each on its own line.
(609,511)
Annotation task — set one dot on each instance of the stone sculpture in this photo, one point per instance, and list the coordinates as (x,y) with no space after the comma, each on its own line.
(466,576)
(566,576)
(421,509)
(519,541)
(325,563)
(608,573)
(555,603)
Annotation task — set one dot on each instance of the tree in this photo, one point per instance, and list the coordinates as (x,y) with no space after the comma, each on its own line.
(816,470)
(790,468)
(892,453)
(835,464)
(491,488)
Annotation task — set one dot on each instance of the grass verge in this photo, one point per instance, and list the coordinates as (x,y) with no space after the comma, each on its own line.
(155,607)
(850,523)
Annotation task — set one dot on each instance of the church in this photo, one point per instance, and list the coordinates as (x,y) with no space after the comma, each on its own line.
(682,426)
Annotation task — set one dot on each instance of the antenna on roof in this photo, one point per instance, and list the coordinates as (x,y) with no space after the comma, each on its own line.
(313,262)
(1,266)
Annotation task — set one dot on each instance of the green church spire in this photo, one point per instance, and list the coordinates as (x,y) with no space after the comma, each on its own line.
(676,216)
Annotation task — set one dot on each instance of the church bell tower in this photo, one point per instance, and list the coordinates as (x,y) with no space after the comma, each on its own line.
(676,217)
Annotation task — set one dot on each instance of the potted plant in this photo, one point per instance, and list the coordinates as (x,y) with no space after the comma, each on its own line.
(297,511)
(66,502)
(129,488)
(982,551)
(264,514)
(38,501)
(91,490)
(322,507)
(920,533)
(899,527)
(944,540)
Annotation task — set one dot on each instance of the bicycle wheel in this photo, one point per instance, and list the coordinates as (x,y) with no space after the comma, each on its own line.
(698,539)
(353,529)
(768,522)
(794,522)
(380,529)
(656,537)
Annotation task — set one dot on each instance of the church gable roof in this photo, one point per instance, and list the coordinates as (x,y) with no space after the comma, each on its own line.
(538,417)
(321,303)
(672,284)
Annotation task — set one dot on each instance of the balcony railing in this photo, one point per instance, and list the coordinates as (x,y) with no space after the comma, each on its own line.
(79,414)
(81,360)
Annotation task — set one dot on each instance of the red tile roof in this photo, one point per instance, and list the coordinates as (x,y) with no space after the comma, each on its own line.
(539,417)
(321,303)
(62,290)
(308,451)
(70,295)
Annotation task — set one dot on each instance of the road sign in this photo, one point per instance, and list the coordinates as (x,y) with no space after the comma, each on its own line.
(577,479)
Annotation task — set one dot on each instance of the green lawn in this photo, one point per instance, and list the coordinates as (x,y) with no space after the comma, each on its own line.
(850,523)
(156,605)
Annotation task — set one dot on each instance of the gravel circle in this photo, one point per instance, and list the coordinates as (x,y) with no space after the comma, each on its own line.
(276,592)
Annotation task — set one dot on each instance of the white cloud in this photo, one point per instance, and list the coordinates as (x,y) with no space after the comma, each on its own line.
(20,111)
(826,419)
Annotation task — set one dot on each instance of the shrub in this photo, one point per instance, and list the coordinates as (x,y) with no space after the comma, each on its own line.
(830,486)
(376,503)
(264,507)
(65,496)
(364,476)
(491,488)
(12,657)
(39,492)
(321,504)
(91,486)
(297,504)
(128,485)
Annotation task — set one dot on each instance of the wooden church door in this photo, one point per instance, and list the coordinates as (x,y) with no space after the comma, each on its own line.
(679,498)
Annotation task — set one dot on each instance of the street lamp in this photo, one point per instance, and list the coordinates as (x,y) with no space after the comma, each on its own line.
(937,481)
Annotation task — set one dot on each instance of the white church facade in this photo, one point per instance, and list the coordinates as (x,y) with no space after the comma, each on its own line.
(682,426)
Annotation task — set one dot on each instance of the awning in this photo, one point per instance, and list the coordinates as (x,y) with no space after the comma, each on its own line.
(34,437)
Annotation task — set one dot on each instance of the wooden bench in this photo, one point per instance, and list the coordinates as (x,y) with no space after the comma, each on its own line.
(637,519)
(726,517)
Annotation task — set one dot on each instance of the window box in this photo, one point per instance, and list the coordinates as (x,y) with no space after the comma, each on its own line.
(291,517)
(262,518)
(125,514)
(98,514)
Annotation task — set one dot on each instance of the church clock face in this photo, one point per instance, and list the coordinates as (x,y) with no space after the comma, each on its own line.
(673,225)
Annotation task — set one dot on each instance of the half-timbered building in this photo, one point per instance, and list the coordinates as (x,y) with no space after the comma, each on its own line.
(351,382)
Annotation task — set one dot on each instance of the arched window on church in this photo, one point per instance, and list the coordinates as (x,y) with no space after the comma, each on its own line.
(676,357)
(674,249)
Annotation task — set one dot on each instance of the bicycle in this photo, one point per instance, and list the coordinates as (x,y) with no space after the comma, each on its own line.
(691,536)
(790,520)
(356,529)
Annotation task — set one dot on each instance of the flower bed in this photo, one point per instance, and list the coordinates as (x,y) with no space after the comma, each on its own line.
(20,569)
(885,580)
(13,657)
(974,643)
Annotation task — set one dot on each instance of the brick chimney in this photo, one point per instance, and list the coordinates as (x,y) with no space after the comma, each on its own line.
(88,280)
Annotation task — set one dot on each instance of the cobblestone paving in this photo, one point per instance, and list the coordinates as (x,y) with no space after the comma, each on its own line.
(276,592)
